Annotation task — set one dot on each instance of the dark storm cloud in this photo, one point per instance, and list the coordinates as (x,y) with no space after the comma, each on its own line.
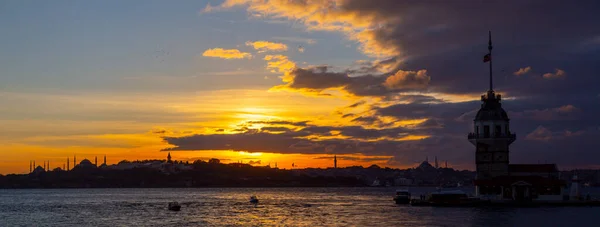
(275,129)
(359,103)
(318,79)
(348,115)
(449,39)
(276,143)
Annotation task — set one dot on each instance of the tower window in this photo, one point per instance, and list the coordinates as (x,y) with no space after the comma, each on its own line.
(506,129)
(486,131)
(498,131)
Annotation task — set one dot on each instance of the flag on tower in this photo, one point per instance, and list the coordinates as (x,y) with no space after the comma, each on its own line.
(487,57)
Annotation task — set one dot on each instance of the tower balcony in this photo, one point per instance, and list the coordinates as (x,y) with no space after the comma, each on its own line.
(510,137)
(483,136)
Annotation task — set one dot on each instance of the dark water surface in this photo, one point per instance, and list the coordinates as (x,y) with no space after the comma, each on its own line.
(278,207)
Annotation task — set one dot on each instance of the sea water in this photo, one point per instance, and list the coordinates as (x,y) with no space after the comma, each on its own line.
(277,207)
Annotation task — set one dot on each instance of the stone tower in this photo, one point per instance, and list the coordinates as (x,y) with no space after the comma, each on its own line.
(491,137)
(491,133)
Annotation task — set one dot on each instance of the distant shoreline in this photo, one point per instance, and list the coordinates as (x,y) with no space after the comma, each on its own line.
(227,187)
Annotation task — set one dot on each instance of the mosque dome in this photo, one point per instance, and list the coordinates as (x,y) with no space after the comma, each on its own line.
(425,166)
(39,169)
(86,164)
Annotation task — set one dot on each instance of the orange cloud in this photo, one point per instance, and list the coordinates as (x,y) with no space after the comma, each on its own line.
(566,109)
(267,46)
(522,71)
(226,53)
(407,80)
(558,74)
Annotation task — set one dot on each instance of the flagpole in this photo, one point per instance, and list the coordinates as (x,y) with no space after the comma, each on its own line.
(490,49)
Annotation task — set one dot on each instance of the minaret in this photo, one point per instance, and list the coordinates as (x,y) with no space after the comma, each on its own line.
(68,162)
(30,164)
(446,164)
(436,163)
(334,162)
(492,136)
(34,165)
(169,157)
(104,159)
(74,161)
(48,165)
(96,161)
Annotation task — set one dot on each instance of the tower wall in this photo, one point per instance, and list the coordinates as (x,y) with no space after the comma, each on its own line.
(492,137)
(492,156)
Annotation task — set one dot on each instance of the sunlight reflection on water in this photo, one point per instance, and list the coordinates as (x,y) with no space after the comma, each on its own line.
(277,207)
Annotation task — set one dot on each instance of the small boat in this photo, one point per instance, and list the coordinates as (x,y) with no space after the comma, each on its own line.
(174,206)
(253,200)
(402,196)
(454,198)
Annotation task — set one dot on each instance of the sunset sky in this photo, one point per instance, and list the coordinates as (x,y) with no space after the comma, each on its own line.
(384,82)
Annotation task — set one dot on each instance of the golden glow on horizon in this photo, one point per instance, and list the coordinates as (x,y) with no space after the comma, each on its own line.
(244,153)
(128,126)
(137,136)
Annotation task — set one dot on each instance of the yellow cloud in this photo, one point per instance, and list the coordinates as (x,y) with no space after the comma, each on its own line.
(279,64)
(267,46)
(226,53)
